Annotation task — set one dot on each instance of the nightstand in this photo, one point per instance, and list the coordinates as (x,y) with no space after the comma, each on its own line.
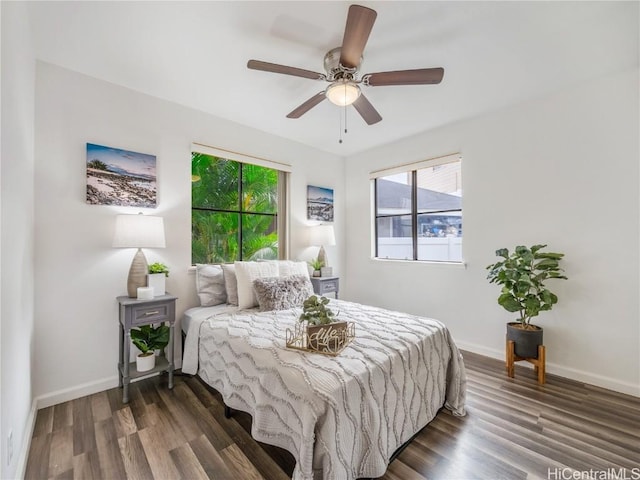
(134,313)
(322,285)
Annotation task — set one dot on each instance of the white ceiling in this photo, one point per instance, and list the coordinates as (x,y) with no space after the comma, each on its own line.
(494,54)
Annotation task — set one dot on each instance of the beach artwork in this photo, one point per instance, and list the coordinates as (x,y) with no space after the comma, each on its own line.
(319,203)
(119,177)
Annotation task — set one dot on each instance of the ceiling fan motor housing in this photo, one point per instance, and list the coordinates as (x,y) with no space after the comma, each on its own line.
(337,71)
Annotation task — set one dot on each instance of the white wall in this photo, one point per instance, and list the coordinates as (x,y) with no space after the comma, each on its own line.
(563,171)
(17,237)
(78,274)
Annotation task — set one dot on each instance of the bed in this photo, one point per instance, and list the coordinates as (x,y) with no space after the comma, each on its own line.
(340,417)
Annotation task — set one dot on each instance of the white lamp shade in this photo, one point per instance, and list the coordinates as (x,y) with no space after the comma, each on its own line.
(322,235)
(342,93)
(139,231)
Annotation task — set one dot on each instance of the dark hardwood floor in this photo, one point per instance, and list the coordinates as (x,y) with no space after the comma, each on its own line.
(514,429)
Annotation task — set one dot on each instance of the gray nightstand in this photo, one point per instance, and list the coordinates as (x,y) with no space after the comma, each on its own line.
(322,285)
(134,313)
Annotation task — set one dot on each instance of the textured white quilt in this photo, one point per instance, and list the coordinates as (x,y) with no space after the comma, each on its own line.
(341,417)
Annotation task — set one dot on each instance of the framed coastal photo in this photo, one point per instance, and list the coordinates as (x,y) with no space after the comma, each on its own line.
(120,177)
(319,203)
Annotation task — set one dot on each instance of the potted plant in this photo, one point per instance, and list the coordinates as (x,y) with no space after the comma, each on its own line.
(148,339)
(324,331)
(158,272)
(316,265)
(522,275)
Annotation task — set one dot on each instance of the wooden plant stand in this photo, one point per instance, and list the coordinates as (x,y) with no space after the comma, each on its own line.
(538,363)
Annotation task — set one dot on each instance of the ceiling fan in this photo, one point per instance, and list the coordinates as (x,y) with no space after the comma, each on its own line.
(342,65)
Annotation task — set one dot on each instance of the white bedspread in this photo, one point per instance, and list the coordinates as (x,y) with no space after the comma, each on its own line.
(341,417)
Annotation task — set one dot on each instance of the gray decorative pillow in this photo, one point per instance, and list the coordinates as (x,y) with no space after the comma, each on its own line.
(281,293)
(230,283)
(210,285)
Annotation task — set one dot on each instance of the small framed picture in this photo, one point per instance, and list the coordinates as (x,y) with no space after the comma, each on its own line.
(319,203)
(120,177)
(326,271)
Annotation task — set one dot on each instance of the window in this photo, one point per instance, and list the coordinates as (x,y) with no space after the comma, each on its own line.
(418,211)
(235,210)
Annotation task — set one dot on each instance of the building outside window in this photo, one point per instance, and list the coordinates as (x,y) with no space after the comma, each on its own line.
(235,210)
(418,211)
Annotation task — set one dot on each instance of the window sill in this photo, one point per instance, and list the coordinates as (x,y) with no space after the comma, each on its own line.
(462,264)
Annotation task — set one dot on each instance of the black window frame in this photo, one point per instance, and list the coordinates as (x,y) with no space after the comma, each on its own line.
(414,213)
(240,212)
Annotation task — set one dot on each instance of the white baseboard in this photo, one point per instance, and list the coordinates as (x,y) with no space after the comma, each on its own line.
(78,391)
(21,466)
(83,390)
(562,371)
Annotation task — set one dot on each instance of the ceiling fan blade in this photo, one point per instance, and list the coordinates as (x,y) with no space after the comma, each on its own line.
(356,33)
(366,110)
(422,76)
(308,105)
(275,68)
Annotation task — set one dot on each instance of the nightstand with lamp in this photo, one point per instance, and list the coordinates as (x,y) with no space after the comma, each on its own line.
(319,236)
(141,307)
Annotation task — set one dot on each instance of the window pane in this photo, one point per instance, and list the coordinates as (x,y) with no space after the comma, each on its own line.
(214,182)
(214,237)
(394,237)
(393,194)
(259,237)
(440,237)
(259,189)
(432,197)
(439,188)
(439,211)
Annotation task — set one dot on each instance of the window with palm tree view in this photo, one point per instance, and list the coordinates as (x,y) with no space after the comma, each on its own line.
(234,210)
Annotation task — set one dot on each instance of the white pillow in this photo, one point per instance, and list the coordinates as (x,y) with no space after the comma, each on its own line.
(230,283)
(289,267)
(246,273)
(210,285)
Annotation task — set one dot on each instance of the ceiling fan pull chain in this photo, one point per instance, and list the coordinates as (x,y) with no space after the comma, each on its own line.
(340,127)
(345,119)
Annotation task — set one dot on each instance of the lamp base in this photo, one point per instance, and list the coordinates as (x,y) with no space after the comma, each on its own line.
(322,257)
(137,274)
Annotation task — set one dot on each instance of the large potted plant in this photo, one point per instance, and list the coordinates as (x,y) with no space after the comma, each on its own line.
(523,275)
(148,339)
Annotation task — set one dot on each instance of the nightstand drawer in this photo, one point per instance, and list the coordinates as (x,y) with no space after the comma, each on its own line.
(145,314)
(322,285)
(326,287)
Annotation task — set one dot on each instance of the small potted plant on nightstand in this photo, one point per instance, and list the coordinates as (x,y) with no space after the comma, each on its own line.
(522,275)
(158,272)
(148,339)
(316,265)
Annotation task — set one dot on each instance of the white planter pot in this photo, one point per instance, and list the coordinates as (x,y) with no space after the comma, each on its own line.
(157,281)
(145,363)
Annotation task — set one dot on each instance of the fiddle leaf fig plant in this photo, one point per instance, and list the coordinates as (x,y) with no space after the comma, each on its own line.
(523,274)
(316,312)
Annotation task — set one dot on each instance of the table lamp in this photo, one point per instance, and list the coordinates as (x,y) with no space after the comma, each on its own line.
(322,235)
(138,231)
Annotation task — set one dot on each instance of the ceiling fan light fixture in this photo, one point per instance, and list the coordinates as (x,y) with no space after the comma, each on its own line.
(342,92)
